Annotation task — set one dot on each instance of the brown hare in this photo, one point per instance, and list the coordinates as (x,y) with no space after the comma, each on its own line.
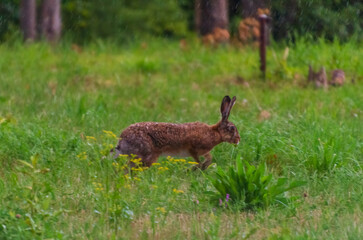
(318,78)
(149,140)
(337,78)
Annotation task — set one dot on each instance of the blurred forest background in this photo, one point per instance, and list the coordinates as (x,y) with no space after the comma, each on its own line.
(82,21)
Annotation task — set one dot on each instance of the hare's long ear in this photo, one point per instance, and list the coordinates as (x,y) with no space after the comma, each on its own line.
(224,107)
(311,74)
(231,105)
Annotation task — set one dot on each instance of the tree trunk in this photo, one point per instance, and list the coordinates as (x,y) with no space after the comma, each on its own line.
(197,15)
(51,23)
(211,14)
(28,19)
(249,8)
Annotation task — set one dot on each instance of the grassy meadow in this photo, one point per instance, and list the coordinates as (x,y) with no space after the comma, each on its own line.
(61,110)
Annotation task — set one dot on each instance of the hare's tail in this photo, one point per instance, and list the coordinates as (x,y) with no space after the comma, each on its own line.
(116,151)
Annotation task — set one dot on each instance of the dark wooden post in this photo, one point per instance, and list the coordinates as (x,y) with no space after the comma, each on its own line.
(263,41)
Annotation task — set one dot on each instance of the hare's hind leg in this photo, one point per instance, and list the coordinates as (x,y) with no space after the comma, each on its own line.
(149,159)
(140,150)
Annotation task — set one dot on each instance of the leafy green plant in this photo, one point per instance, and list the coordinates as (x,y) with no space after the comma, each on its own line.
(324,159)
(251,186)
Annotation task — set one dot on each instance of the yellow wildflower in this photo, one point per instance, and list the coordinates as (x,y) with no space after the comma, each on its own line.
(180,160)
(127,176)
(193,163)
(177,191)
(163,168)
(98,186)
(137,179)
(137,169)
(110,134)
(155,164)
(91,138)
(82,156)
(136,160)
(161,209)
(106,149)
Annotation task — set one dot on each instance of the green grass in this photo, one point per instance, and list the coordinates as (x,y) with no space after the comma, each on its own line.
(55,182)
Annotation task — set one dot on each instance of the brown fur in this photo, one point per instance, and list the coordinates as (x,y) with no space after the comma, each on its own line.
(318,78)
(337,78)
(149,140)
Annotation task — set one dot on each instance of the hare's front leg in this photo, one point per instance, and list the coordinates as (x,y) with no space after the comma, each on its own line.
(195,155)
(207,161)
(205,164)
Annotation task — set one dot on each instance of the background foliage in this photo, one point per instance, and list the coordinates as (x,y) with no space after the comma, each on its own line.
(85,20)
(318,18)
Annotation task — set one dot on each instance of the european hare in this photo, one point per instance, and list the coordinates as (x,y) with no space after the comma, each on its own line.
(318,78)
(149,140)
(337,78)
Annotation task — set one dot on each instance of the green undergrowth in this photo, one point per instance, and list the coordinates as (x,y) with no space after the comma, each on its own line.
(62,109)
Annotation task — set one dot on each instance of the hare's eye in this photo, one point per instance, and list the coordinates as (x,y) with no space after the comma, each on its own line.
(232,128)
